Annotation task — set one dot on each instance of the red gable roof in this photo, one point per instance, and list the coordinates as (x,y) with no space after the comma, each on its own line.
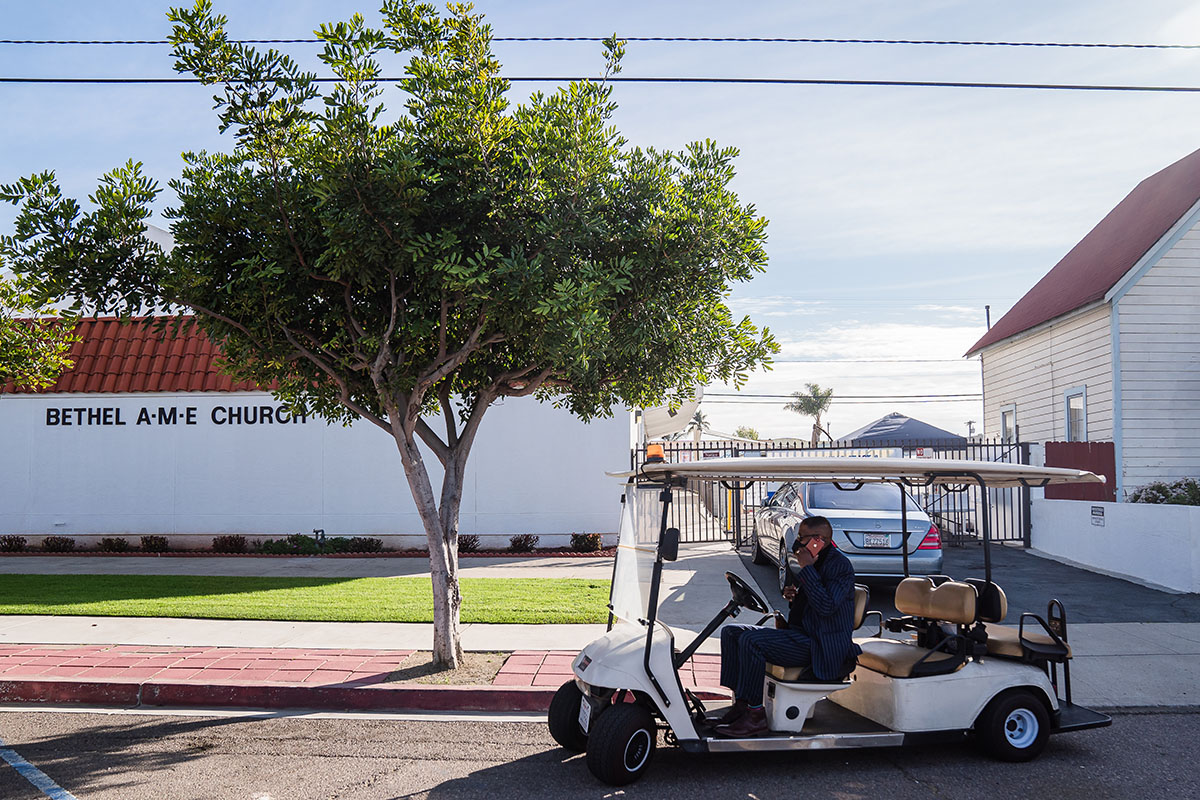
(1109,251)
(112,356)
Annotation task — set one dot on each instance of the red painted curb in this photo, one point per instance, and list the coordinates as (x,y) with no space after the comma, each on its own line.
(49,690)
(348,698)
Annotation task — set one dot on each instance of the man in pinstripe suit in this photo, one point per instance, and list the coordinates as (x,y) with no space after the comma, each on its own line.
(818,635)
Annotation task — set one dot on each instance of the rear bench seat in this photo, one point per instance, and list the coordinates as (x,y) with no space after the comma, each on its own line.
(1005,641)
(953,602)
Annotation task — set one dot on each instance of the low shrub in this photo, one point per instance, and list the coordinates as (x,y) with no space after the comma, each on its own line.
(586,542)
(12,543)
(58,544)
(338,544)
(523,542)
(114,544)
(1183,492)
(155,544)
(468,543)
(365,544)
(231,543)
(295,545)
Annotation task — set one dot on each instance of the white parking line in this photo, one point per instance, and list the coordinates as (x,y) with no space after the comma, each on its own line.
(29,772)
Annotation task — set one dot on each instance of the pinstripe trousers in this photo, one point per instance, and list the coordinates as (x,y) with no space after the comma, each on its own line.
(745,651)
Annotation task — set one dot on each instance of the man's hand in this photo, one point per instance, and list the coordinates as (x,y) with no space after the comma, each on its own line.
(789,593)
(804,557)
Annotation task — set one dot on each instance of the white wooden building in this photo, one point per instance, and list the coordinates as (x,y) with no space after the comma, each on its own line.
(1106,346)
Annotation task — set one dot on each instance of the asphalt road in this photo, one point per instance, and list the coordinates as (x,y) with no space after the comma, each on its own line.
(1029,582)
(122,757)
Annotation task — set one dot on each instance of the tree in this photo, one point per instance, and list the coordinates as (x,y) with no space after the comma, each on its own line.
(35,338)
(745,432)
(697,425)
(813,403)
(423,266)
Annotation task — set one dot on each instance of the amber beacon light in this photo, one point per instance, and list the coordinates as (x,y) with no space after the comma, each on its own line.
(654,454)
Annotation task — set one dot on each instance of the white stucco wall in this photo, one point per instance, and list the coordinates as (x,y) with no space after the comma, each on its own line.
(534,469)
(1149,543)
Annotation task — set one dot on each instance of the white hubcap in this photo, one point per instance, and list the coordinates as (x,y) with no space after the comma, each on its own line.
(1021,728)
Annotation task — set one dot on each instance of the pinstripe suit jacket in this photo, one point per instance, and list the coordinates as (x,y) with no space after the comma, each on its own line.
(823,609)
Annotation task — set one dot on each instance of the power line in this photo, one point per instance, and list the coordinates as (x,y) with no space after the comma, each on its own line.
(1074,87)
(840,398)
(696,39)
(870,361)
(846,402)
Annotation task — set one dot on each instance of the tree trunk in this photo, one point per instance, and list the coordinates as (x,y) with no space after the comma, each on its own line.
(443,553)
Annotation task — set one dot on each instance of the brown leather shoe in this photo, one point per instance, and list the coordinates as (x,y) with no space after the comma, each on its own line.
(733,713)
(752,723)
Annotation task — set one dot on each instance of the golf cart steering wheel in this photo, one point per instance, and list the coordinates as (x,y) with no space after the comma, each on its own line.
(744,596)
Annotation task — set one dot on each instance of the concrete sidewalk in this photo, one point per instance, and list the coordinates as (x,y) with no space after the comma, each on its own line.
(1116,665)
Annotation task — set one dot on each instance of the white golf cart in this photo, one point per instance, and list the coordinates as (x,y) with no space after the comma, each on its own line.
(957,674)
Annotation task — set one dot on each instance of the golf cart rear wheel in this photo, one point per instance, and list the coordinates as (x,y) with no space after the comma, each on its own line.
(1014,727)
(621,744)
(564,718)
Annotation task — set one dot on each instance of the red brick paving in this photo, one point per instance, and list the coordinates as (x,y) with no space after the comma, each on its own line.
(281,666)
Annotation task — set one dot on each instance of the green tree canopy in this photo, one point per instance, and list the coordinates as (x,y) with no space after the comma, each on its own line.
(35,338)
(746,432)
(401,267)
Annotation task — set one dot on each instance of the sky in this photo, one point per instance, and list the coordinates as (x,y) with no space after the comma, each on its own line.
(896,213)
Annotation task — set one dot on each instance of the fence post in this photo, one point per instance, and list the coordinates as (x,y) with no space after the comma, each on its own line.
(1026,505)
(737,507)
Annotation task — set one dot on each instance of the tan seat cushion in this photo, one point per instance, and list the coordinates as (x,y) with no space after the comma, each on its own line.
(894,658)
(951,602)
(861,596)
(1004,641)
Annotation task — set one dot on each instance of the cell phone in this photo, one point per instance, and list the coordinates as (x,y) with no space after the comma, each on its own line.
(816,545)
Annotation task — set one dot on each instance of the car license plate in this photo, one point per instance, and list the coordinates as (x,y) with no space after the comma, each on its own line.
(585,714)
(877,540)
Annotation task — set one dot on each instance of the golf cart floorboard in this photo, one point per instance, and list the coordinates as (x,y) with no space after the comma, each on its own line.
(831,727)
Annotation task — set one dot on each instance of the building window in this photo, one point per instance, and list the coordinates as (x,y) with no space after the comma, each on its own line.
(1075,413)
(1008,424)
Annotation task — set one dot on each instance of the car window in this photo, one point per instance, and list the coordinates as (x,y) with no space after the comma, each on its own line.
(784,497)
(870,497)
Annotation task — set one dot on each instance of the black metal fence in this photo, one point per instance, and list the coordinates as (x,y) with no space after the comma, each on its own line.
(711,511)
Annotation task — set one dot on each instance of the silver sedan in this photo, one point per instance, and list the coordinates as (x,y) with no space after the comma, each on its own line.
(866,527)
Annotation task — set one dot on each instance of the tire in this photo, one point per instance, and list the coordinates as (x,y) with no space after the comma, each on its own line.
(782,567)
(759,557)
(1014,727)
(563,718)
(621,744)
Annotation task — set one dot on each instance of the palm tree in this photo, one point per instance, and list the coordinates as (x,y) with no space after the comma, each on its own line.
(697,425)
(812,403)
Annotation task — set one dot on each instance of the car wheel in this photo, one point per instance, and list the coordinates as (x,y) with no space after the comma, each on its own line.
(1014,727)
(782,567)
(759,557)
(563,718)
(621,744)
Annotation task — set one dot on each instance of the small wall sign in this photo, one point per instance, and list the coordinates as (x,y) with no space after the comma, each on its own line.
(1098,516)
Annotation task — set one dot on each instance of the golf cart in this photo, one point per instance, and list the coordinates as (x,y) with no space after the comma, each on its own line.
(957,673)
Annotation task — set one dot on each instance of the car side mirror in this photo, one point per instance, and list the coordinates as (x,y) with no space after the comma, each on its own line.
(668,545)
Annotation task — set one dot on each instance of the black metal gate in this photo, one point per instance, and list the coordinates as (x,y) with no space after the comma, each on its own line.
(713,511)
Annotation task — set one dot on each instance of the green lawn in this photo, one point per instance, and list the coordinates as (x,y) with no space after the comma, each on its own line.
(491,600)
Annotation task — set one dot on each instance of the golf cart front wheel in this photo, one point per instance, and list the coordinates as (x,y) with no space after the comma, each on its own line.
(563,718)
(621,744)
(1014,727)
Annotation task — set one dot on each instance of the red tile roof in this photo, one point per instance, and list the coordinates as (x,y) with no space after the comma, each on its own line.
(1109,251)
(112,356)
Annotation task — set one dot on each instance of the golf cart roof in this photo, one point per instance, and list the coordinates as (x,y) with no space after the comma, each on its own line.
(866,470)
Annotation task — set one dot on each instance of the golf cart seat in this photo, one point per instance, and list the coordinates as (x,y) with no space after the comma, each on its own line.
(1005,642)
(862,597)
(925,606)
